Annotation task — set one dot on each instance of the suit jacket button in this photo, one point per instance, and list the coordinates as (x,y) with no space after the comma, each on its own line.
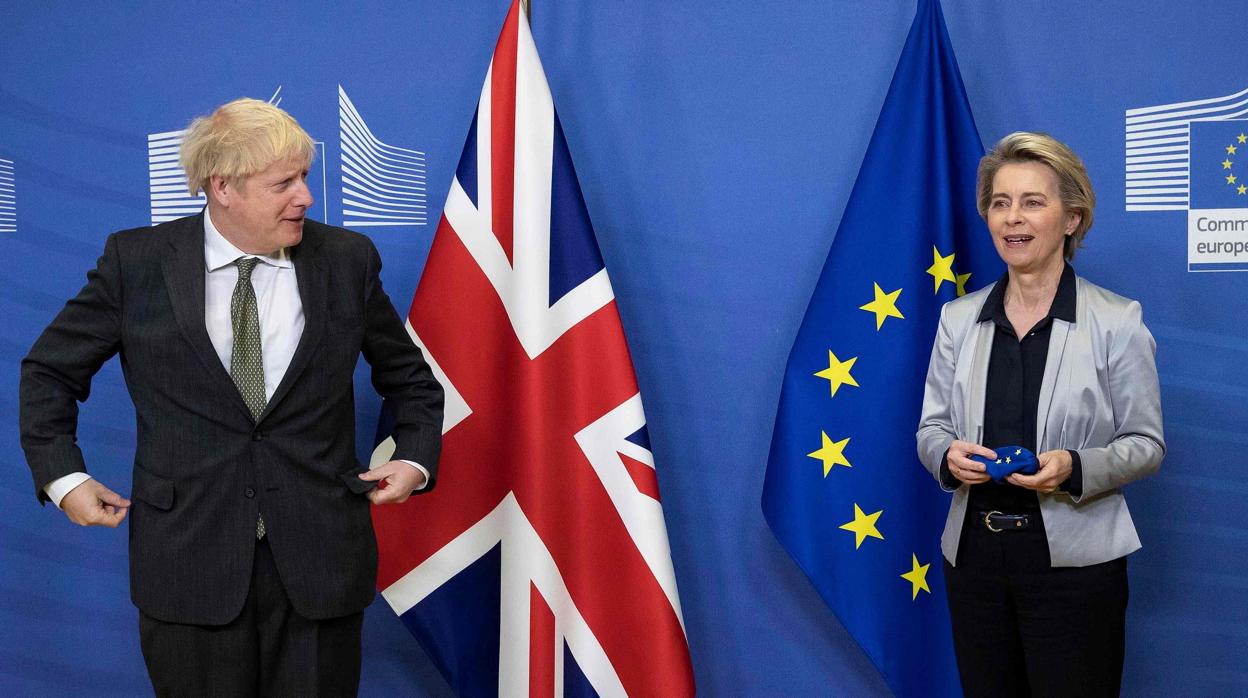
(249,493)
(257,436)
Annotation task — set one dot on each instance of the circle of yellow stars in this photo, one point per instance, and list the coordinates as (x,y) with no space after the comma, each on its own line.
(1231,179)
(839,373)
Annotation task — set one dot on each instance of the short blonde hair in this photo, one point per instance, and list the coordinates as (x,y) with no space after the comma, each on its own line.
(240,139)
(1073,184)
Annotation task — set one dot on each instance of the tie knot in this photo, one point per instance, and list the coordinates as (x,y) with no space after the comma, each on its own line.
(245,265)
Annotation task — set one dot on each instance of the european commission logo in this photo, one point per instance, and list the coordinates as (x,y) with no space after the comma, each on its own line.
(1193,156)
(382,184)
(8,197)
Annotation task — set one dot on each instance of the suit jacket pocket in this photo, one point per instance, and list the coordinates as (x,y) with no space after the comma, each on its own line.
(153,489)
(354,483)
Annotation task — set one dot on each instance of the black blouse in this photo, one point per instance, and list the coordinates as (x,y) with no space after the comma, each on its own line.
(1015,372)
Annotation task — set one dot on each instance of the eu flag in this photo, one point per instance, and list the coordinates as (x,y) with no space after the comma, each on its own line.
(1219,164)
(845,493)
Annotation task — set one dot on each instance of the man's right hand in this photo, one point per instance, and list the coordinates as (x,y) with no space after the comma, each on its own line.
(93,504)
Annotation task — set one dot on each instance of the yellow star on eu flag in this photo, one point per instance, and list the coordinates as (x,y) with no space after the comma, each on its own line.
(1243,138)
(917,576)
(838,372)
(884,306)
(941,269)
(1230,179)
(961,282)
(1226,164)
(1242,189)
(831,453)
(1230,149)
(863,526)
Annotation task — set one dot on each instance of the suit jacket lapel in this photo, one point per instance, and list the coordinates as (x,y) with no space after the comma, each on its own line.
(183,269)
(312,275)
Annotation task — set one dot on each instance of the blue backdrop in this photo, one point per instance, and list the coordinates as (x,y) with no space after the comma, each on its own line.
(716,143)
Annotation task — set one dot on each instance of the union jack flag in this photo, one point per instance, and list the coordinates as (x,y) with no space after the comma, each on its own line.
(539,565)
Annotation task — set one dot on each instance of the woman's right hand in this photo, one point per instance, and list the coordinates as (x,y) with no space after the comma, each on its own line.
(963,468)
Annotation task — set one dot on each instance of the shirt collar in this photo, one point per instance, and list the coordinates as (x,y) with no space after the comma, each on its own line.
(1062,308)
(219,252)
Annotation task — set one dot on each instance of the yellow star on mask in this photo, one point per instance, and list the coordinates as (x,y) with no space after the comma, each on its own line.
(941,269)
(884,305)
(917,576)
(863,526)
(961,281)
(837,372)
(831,453)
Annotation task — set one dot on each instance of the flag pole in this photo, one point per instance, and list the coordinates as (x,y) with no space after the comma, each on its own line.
(527,6)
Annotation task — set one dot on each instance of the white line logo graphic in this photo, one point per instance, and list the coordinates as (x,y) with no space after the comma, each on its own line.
(1158,144)
(8,197)
(382,185)
(167,180)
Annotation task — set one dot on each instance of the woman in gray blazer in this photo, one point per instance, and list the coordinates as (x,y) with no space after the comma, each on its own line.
(1035,565)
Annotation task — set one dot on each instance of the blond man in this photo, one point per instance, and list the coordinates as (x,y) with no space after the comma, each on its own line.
(252,553)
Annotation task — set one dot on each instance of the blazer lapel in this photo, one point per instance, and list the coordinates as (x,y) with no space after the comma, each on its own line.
(1048,384)
(183,269)
(312,275)
(977,384)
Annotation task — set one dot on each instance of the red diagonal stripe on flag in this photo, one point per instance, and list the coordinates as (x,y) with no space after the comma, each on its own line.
(644,477)
(541,645)
(503,132)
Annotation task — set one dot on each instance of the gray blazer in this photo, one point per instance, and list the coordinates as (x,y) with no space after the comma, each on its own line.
(1099,396)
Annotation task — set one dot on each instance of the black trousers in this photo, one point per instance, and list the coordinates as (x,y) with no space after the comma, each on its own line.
(1024,628)
(268,650)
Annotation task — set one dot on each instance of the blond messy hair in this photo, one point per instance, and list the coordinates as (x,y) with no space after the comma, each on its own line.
(239,139)
(1073,184)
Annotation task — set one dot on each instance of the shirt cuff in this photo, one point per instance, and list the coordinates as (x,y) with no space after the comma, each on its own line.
(1073,484)
(415,465)
(947,480)
(58,488)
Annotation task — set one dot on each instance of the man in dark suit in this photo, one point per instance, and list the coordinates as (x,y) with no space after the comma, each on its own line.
(252,553)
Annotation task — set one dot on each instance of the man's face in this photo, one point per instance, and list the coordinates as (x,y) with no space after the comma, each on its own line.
(264,212)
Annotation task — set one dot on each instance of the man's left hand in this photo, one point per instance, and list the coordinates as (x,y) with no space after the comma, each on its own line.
(1054,469)
(396,481)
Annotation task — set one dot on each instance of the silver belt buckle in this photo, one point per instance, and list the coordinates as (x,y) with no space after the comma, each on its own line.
(988,522)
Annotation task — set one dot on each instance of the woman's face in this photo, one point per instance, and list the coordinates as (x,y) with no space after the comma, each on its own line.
(1026,217)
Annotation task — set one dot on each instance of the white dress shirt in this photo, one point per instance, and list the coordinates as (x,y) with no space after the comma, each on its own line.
(281,320)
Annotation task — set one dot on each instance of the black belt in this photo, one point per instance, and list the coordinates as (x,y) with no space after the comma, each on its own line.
(997,522)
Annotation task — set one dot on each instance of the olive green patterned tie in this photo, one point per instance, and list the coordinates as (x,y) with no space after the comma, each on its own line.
(247,361)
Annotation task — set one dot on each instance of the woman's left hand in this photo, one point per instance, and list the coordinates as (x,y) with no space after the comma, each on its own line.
(1054,469)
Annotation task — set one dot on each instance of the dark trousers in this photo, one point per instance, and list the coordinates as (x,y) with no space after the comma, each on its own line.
(268,650)
(1023,628)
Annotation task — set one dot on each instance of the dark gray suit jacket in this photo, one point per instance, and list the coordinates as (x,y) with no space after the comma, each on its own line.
(203,469)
